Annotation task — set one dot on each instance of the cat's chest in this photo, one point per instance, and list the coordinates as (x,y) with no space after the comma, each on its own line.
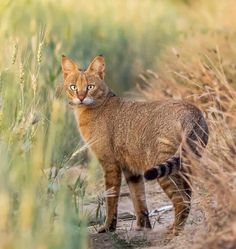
(86,133)
(87,129)
(94,129)
(97,139)
(91,129)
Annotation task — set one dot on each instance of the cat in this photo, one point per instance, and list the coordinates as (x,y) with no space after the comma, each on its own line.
(140,139)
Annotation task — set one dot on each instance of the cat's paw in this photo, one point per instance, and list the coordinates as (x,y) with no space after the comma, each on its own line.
(105,229)
(143,222)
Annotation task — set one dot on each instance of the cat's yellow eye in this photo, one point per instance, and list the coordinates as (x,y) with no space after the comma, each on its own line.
(90,87)
(73,87)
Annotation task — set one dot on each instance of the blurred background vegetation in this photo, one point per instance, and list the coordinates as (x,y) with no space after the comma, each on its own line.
(38,130)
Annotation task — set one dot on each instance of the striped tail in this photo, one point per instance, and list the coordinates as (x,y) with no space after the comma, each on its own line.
(166,168)
(196,141)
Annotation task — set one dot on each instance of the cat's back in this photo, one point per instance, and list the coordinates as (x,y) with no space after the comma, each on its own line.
(156,113)
(150,132)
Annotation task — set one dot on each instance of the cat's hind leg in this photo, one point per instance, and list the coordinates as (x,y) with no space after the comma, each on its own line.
(178,189)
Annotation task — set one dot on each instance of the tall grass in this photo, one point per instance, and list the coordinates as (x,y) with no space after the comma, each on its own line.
(31,122)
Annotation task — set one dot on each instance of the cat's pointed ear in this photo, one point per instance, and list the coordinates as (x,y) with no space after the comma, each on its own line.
(68,66)
(97,66)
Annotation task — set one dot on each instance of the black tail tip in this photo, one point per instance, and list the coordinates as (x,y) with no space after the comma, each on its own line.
(151,174)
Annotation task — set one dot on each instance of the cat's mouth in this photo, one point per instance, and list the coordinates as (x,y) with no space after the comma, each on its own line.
(77,102)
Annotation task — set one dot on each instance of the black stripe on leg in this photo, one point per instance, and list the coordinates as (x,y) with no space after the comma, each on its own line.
(112,227)
(134,178)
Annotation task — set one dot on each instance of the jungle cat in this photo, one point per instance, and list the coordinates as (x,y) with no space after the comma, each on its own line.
(136,138)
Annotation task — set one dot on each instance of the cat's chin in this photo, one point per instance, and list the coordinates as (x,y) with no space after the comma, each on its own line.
(88,101)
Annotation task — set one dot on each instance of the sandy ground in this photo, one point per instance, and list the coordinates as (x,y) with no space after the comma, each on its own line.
(125,235)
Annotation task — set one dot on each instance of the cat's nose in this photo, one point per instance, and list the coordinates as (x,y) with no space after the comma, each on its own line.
(81,97)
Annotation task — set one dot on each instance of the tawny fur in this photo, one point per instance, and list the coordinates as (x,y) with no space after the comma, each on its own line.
(132,137)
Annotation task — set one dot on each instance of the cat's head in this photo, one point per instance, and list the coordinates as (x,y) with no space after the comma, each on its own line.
(85,87)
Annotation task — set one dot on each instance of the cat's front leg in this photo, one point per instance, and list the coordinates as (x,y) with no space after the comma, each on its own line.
(137,191)
(112,174)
